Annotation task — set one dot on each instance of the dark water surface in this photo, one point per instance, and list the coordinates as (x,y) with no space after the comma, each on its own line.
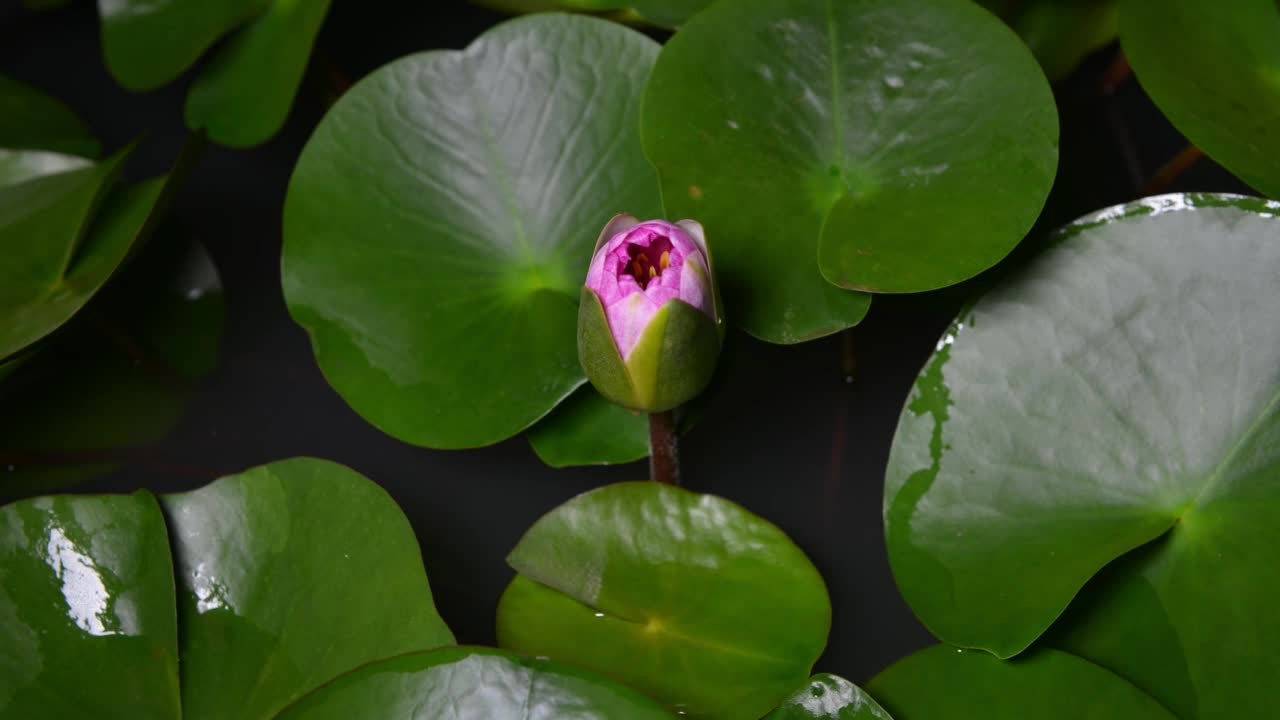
(799,435)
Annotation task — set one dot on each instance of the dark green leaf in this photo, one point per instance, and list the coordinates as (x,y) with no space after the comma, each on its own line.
(1212,68)
(686,597)
(586,429)
(894,145)
(19,166)
(945,682)
(1122,388)
(829,697)
(471,684)
(30,119)
(54,261)
(1061,33)
(440,223)
(243,95)
(289,575)
(87,627)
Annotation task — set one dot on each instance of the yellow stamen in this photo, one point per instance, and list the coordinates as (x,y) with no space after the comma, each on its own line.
(653,272)
(665,261)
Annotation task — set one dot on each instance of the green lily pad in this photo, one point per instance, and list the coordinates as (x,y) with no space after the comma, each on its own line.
(117,378)
(664,13)
(441,219)
(243,94)
(1062,34)
(586,429)
(884,145)
(465,683)
(829,697)
(19,166)
(1120,389)
(1213,70)
(30,119)
(945,682)
(86,609)
(688,598)
(54,260)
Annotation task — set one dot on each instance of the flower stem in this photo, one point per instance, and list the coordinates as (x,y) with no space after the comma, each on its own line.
(664,448)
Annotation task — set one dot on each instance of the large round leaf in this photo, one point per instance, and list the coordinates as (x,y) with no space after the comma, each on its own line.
(58,249)
(440,223)
(686,597)
(472,683)
(1212,68)
(19,166)
(829,697)
(287,576)
(895,145)
(31,119)
(87,626)
(587,429)
(1123,387)
(944,682)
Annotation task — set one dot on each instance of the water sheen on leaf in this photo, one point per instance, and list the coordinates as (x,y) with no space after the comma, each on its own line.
(876,145)
(829,697)
(468,683)
(946,682)
(440,222)
(686,597)
(1122,388)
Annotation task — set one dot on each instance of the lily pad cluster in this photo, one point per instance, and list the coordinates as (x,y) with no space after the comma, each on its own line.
(440,221)
(252,54)
(1090,461)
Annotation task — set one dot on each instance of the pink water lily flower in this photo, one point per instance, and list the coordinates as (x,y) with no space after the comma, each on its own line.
(641,267)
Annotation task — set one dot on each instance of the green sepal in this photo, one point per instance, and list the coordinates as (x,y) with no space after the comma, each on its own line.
(674,358)
(599,354)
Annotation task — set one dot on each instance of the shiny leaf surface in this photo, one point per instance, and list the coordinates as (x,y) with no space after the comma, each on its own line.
(944,682)
(30,119)
(587,429)
(829,697)
(244,94)
(892,145)
(1062,34)
(87,626)
(472,683)
(440,223)
(1212,69)
(638,579)
(1122,388)
(288,575)
(59,250)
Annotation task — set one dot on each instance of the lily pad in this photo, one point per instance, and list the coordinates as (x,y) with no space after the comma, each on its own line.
(91,619)
(244,91)
(1121,389)
(829,697)
(19,166)
(1212,70)
(587,429)
(441,219)
(465,683)
(884,145)
(946,682)
(665,13)
(87,625)
(59,250)
(118,377)
(30,119)
(688,598)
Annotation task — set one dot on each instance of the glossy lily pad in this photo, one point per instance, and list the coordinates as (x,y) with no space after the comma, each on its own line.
(666,13)
(19,166)
(688,598)
(466,683)
(244,91)
(884,145)
(118,377)
(59,249)
(1062,34)
(87,624)
(288,575)
(829,697)
(1121,389)
(441,219)
(30,119)
(945,682)
(1212,69)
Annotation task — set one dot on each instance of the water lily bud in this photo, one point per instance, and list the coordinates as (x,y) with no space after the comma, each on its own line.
(649,326)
